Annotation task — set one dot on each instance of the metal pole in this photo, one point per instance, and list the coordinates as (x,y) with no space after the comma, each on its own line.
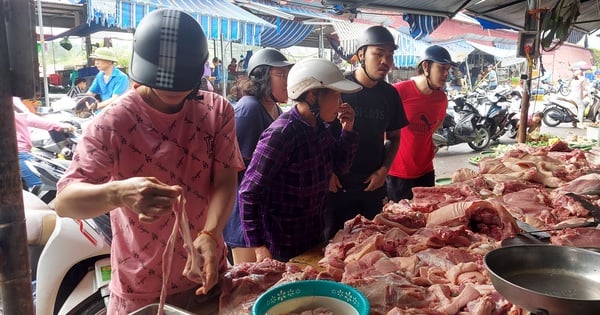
(321,45)
(42,43)
(531,24)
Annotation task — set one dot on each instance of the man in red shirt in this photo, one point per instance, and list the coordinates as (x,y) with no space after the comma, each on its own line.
(425,103)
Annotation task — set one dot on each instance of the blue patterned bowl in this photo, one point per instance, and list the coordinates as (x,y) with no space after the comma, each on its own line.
(300,296)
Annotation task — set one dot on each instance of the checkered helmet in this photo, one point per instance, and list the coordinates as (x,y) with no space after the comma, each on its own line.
(169,51)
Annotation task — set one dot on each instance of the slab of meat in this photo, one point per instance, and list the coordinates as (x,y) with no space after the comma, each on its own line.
(480,216)
(580,237)
(584,185)
(243,283)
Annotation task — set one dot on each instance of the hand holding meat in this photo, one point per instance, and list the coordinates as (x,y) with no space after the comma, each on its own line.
(262,253)
(208,275)
(346,116)
(148,197)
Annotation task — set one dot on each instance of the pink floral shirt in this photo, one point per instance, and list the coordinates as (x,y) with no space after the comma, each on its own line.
(131,139)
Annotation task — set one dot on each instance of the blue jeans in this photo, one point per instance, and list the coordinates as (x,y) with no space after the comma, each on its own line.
(30,178)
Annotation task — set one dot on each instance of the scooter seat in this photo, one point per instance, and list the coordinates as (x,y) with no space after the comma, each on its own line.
(565,99)
(40,219)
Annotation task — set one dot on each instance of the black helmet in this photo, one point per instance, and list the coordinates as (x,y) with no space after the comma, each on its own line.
(267,57)
(437,54)
(376,35)
(169,51)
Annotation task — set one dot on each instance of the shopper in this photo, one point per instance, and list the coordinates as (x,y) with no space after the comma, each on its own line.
(379,117)
(161,146)
(425,103)
(283,194)
(263,91)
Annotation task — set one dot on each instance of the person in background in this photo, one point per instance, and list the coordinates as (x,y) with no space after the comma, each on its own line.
(217,74)
(24,119)
(232,70)
(110,82)
(265,88)
(534,126)
(379,117)
(78,88)
(205,84)
(425,103)
(240,66)
(578,86)
(492,77)
(162,148)
(283,195)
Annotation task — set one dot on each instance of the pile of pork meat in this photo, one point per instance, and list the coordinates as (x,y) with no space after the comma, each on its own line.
(425,255)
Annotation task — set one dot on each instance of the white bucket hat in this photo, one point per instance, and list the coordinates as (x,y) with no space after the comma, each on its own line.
(310,74)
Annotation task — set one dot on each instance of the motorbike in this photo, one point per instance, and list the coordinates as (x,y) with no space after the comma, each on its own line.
(499,113)
(560,109)
(71,266)
(49,170)
(467,128)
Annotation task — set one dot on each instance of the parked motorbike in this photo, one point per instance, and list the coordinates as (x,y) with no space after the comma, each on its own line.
(49,170)
(592,111)
(467,128)
(560,109)
(71,267)
(499,113)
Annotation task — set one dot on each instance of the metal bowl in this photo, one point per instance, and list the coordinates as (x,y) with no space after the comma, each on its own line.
(152,309)
(299,296)
(547,279)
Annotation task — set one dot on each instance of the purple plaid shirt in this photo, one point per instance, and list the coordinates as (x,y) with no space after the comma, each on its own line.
(283,195)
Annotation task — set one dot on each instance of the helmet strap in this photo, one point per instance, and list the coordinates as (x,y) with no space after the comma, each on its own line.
(426,73)
(194,94)
(363,64)
(315,109)
(273,98)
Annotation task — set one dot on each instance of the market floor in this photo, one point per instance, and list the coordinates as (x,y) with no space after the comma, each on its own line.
(450,159)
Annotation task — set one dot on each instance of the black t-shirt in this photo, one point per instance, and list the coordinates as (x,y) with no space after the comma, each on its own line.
(378,110)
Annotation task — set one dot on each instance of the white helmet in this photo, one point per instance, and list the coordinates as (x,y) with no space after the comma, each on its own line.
(313,73)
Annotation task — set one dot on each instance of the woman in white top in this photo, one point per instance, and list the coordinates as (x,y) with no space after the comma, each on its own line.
(577,87)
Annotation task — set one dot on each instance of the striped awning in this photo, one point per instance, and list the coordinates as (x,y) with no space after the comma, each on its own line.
(422,25)
(220,19)
(295,10)
(286,34)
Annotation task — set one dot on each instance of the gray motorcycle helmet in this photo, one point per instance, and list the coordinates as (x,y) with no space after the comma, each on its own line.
(267,57)
(169,51)
(375,35)
(437,54)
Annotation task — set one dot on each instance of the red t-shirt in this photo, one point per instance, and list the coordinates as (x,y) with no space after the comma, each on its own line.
(425,113)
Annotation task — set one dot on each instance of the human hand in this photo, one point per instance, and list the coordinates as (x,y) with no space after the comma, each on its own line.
(262,253)
(206,246)
(377,179)
(346,116)
(67,128)
(334,183)
(148,197)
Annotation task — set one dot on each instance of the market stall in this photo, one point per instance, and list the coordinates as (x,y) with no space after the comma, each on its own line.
(426,255)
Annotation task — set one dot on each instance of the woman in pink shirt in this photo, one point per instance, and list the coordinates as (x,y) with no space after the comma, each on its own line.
(24,119)
(161,145)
